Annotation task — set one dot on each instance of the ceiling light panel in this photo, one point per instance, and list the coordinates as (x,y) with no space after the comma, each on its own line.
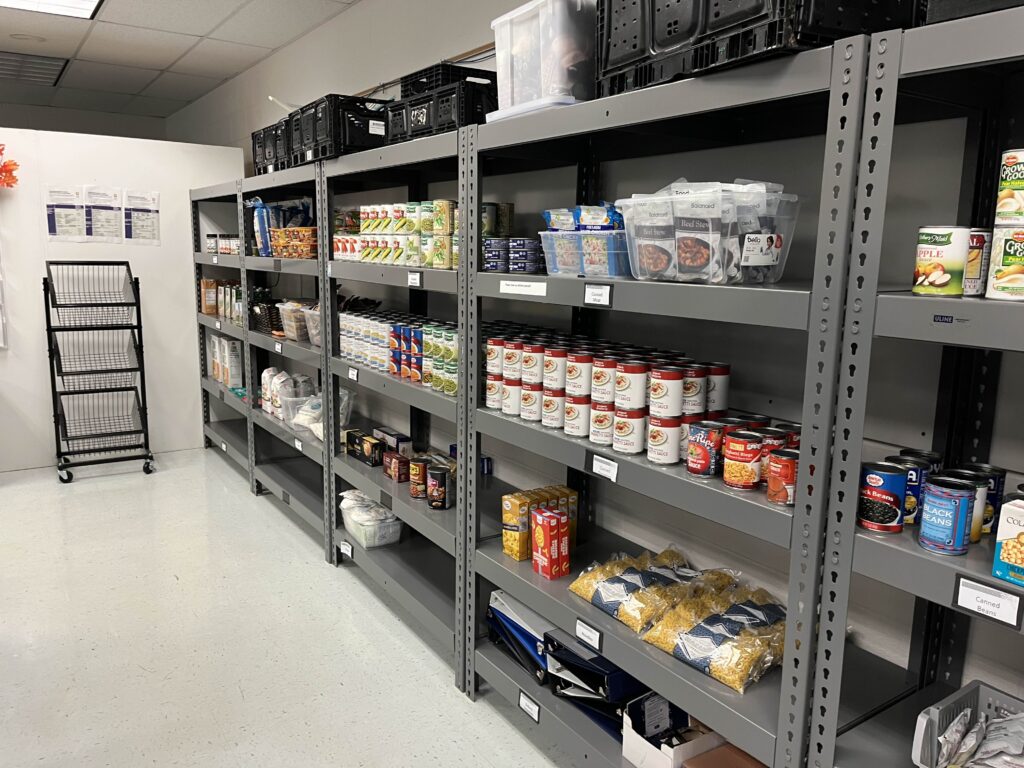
(79,9)
(41,70)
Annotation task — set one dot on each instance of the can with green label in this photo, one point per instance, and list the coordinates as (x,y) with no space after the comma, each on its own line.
(941,261)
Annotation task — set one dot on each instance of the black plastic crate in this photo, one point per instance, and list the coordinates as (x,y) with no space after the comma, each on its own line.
(944,10)
(259,152)
(398,122)
(648,42)
(430,79)
(334,125)
(279,151)
(451,107)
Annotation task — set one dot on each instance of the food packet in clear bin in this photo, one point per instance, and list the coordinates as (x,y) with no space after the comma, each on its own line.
(767,220)
(730,239)
(697,221)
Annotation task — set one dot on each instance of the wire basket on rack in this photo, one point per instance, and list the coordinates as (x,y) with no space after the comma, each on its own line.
(96,359)
(266,318)
(91,293)
(96,422)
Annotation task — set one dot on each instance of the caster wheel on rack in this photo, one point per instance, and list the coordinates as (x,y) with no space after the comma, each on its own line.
(65,475)
(148,468)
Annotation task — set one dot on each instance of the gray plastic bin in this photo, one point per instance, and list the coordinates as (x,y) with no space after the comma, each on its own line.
(934,720)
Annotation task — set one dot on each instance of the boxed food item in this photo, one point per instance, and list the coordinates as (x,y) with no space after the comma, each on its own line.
(726,756)
(394,440)
(657,734)
(546,559)
(214,349)
(211,243)
(515,526)
(1008,563)
(396,466)
(208,294)
(231,365)
(366,448)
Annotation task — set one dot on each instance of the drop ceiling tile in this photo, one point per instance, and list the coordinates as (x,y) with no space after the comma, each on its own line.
(12,92)
(62,35)
(171,85)
(106,77)
(100,101)
(270,24)
(134,46)
(220,59)
(145,105)
(190,17)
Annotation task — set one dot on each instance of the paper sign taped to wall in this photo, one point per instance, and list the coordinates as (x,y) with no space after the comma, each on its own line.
(142,217)
(65,214)
(104,214)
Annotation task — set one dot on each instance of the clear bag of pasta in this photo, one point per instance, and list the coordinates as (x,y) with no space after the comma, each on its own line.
(730,632)
(636,590)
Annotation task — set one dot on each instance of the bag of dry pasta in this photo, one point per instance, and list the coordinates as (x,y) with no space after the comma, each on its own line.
(636,591)
(734,635)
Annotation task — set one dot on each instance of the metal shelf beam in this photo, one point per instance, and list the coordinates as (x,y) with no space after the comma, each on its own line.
(287,266)
(225,395)
(229,436)
(746,511)
(984,323)
(415,395)
(306,444)
(982,40)
(295,350)
(303,174)
(779,306)
(225,192)
(217,259)
(221,324)
(436,280)
(407,153)
(296,482)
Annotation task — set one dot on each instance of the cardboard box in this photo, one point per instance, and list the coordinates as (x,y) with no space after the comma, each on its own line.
(213,346)
(394,440)
(208,296)
(726,756)
(545,543)
(231,364)
(646,718)
(1008,563)
(222,300)
(370,451)
(396,466)
(563,544)
(515,526)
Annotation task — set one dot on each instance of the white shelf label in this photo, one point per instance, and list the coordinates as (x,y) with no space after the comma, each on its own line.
(215,258)
(217,325)
(988,601)
(523,287)
(277,347)
(605,467)
(330,269)
(353,373)
(415,279)
(309,155)
(298,444)
(345,548)
(601,295)
(270,168)
(224,447)
(529,706)
(377,127)
(587,635)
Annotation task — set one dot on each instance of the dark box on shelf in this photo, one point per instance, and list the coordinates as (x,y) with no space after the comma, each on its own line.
(396,466)
(362,446)
(444,109)
(445,73)
(643,42)
(335,125)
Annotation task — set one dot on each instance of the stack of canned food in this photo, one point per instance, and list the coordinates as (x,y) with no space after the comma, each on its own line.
(418,349)
(954,507)
(411,234)
(638,400)
(979,262)
(520,255)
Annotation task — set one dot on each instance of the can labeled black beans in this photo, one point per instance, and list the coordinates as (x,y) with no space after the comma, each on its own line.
(883,488)
(934,458)
(917,473)
(980,482)
(996,488)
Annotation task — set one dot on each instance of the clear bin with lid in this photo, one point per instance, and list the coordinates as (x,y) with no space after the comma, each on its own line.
(311,316)
(293,321)
(369,532)
(544,53)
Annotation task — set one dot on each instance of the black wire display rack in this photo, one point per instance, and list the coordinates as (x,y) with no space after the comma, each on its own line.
(97,369)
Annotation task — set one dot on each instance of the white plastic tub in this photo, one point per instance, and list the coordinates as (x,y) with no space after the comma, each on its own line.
(378,533)
(545,53)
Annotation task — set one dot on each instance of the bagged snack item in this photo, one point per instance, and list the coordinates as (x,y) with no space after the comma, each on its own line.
(560,220)
(734,635)
(970,742)
(282,379)
(1003,745)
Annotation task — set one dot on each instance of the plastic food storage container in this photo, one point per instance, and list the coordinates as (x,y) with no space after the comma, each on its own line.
(594,254)
(665,243)
(293,321)
(544,53)
(371,533)
(934,720)
(766,235)
(290,407)
(312,319)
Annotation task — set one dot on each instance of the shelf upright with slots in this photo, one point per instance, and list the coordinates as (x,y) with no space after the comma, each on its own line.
(420,572)
(285,463)
(231,435)
(827,87)
(955,69)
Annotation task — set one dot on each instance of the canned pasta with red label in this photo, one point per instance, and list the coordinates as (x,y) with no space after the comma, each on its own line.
(717,388)
(531,402)
(553,408)
(512,365)
(629,432)
(533,363)
(666,391)
(602,378)
(577,415)
(492,394)
(554,367)
(511,396)
(694,389)
(602,419)
(631,384)
(578,371)
(663,439)
(741,452)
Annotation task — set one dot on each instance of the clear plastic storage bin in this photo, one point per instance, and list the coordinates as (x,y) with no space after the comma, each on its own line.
(312,319)
(593,254)
(544,52)
(374,533)
(290,407)
(293,321)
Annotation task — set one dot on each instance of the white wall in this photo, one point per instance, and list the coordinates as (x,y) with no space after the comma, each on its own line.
(373,42)
(165,272)
(43,118)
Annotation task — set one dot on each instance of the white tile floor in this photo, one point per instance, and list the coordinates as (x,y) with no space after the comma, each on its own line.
(177,620)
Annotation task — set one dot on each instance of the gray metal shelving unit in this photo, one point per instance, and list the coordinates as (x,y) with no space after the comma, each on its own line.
(953,69)
(832,703)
